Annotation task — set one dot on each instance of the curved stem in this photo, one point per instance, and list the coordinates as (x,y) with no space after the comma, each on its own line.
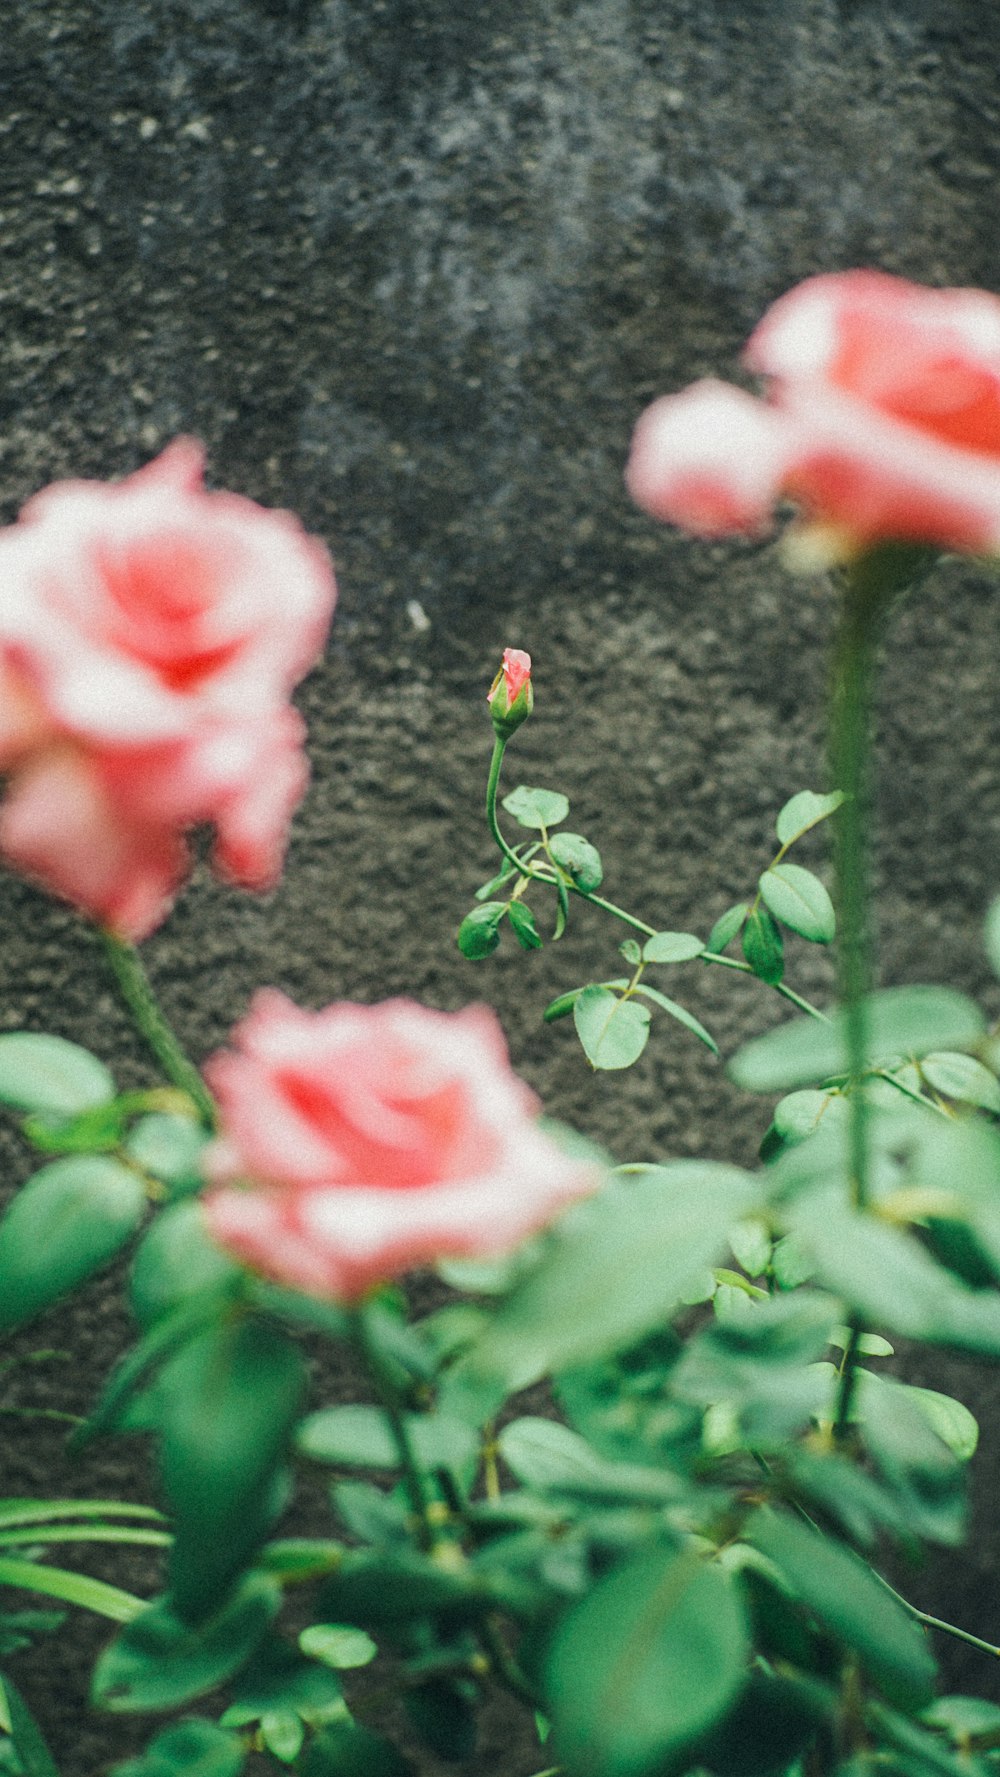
(133,985)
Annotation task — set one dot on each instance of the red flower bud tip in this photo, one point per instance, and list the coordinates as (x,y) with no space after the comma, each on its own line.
(511,697)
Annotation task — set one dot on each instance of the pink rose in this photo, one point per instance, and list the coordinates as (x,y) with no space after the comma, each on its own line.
(150,635)
(882,421)
(361,1141)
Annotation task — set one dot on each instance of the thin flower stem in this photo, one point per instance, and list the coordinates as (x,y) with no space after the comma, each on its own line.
(506,1667)
(849,750)
(133,985)
(985,1647)
(414,1479)
(787,993)
(492,784)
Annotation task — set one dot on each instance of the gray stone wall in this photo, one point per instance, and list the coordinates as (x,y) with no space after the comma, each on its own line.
(413,269)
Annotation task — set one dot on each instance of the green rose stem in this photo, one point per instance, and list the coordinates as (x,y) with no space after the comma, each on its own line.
(414,1479)
(133,985)
(868,586)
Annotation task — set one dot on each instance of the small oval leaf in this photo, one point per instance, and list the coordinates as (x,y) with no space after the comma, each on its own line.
(580,860)
(672,947)
(763,947)
(525,930)
(49,1076)
(478,934)
(799,900)
(161,1662)
(613,1031)
(69,1219)
(962,1078)
(650,1658)
(901,1021)
(803,811)
(536,808)
(726,928)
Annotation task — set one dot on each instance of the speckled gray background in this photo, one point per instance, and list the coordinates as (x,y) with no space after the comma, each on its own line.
(413,269)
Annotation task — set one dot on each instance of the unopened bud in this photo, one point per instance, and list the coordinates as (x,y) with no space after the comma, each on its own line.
(511,697)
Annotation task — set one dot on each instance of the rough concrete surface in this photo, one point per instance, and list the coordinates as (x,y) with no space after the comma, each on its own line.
(412,269)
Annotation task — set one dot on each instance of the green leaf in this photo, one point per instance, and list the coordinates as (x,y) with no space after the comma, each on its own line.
(397,1585)
(580,860)
(803,811)
(72,1588)
(29,1741)
(345,1749)
(536,808)
(799,900)
(615,1267)
(525,930)
(283,1734)
(917,1753)
(613,1031)
(229,1401)
(799,1114)
(562,1006)
(950,1419)
(680,1013)
(278,1679)
(835,1585)
(751,1246)
(506,871)
(49,1076)
(762,946)
(630,950)
(726,928)
(176,1260)
(166,1336)
(159,1661)
(887,1278)
(650,1658)
(338,1646)
(672,947)
(68,1220)
(991,935)
(549,1458)
(478,934)
(169,1147)
(188,1749)
(901,1021)
(360,1437)
(964,1718)
(962,1078)
(443,1713)
(43,1511)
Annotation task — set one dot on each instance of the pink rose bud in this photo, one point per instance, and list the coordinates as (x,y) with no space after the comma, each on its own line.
(150,635)
(361,1141)
(511,697)
(882,422)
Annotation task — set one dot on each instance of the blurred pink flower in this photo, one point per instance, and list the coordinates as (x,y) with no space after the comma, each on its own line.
(361,1141)
(882,422)
(150,635)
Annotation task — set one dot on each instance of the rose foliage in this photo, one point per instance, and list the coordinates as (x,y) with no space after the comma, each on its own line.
(679,1571)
